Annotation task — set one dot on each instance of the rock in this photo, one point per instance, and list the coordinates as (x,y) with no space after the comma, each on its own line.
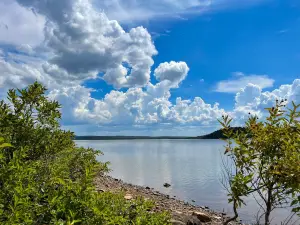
(177,212)
(202,216)
(185,219)
(167,185)
(177,222)
(128,197)
(217,217)
(193,222)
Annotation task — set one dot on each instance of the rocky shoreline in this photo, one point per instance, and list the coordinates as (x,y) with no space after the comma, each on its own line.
(182,212)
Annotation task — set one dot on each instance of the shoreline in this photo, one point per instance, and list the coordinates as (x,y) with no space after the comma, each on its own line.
(121,138)
(181,212)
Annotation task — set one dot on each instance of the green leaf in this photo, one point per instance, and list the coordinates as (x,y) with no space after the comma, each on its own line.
(5,145)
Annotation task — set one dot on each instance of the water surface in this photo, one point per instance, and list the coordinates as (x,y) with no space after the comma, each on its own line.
(192,167)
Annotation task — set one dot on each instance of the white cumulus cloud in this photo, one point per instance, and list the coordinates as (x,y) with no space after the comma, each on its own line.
(248,96)
(133,107)
(236,84)
(84,41)
(173,72)
(19,25)
(252,99)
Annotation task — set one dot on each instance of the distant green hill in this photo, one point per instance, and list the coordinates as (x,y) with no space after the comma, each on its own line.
(219,133)
(214,135)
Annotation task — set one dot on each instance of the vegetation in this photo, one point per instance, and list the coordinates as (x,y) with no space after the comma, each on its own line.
(266,161)
(46,179)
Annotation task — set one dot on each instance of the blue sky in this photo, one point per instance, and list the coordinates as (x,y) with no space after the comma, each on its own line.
(263,39)
(153,67)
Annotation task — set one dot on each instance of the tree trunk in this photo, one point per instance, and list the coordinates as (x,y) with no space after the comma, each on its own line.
(235,214)
(269,207)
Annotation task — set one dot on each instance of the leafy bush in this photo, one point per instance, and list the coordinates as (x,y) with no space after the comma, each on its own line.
(46,179)
(266,158)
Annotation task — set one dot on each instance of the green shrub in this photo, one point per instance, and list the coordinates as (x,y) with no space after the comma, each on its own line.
(46,179)
(266,159)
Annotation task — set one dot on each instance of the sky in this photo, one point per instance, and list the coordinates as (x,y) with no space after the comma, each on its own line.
(155,67)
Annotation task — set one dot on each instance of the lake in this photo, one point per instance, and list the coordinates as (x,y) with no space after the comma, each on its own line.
(192,167)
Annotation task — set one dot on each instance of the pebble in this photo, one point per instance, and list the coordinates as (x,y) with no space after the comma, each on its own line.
(128,197)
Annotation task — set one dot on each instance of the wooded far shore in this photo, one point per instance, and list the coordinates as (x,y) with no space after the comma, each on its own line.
(214,135)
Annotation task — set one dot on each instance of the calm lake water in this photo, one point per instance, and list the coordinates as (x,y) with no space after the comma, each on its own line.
(192,167)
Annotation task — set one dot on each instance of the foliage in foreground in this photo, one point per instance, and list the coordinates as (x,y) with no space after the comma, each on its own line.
(46,179)
(266,160)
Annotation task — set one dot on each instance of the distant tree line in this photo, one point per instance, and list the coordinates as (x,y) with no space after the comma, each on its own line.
(219,134)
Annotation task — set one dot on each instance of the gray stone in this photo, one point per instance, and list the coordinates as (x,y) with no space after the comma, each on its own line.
(192,220)
(128,197)
(167,185)
(202,216)
(185,219)
(177,222)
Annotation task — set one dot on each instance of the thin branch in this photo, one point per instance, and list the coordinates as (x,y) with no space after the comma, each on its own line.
(259,203)
(289,218)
